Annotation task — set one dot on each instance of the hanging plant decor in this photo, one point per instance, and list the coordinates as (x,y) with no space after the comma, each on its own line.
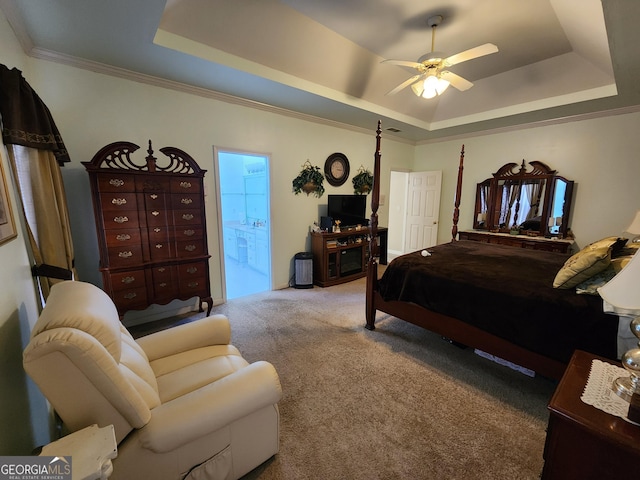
(309,180)
(362,181)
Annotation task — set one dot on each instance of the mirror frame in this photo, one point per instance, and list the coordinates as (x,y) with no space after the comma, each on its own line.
(512,172)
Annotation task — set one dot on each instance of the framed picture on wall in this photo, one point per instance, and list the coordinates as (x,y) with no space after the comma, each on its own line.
(7,224)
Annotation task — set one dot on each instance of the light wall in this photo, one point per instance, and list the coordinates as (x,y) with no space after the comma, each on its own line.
(23,411)
(599,154)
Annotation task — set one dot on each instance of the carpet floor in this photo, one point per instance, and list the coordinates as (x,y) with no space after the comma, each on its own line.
(395,403)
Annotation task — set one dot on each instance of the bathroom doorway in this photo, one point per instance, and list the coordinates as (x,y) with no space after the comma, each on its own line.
(243,202)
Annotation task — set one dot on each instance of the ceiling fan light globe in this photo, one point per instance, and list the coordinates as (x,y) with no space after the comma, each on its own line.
(430,87)
(418,88)
(429,94)
(442,86)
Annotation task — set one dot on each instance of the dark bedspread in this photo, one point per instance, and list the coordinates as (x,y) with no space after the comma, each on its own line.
(506,291)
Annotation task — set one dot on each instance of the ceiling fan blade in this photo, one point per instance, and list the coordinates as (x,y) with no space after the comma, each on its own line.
(470,54)
(405,84)
(456,80)
(403,63)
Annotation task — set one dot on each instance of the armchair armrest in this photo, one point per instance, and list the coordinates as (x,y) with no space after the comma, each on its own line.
(211,407)
(213,330)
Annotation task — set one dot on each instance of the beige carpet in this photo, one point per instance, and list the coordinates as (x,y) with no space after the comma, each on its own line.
(395,403)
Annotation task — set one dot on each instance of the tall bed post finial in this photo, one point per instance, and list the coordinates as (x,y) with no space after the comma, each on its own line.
(372,265)
(456,204)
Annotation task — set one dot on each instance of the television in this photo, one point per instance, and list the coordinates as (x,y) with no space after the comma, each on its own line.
(351,210)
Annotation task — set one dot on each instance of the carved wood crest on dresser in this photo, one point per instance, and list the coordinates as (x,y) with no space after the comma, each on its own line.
(151,226)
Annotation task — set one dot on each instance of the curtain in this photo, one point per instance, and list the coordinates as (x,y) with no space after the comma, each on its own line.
(510,196)
(45,209)
(534,192)
(36,152)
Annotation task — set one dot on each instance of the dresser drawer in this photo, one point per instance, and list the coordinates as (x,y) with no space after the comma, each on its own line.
(164,290)
(188,233)
(160,250)
(155,184)
(130,299)
(190,248)
(118,238)
(121,220)
(188,271)
(126,255)
(187,217)
(186,200)
(163,273)
(188,185)
(115,182)
(154,201)
(160,233)
(118,202)
(127,280)
(158,217)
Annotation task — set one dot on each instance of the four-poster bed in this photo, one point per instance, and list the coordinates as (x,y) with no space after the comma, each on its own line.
(495,298)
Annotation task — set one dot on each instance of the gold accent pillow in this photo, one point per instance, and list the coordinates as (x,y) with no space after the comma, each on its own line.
(583,265)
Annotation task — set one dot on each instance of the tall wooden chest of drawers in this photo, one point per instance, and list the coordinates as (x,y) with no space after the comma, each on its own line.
(151,226)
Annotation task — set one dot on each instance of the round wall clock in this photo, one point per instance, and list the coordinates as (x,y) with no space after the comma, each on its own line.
(336,169)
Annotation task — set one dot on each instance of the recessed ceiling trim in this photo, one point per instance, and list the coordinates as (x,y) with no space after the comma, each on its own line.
(576,97)
(189,47)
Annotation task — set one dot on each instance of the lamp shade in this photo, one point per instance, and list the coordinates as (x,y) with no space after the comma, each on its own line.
(621,294)
(634,228)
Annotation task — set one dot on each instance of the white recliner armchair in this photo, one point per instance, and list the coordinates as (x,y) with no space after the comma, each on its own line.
(183,401)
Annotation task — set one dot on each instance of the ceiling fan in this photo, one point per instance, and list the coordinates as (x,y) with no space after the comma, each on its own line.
(432,78)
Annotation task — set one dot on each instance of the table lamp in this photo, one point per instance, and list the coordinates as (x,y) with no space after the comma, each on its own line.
(634,228)
(621,296)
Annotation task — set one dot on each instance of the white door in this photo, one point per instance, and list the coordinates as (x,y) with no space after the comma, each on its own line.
(423,204)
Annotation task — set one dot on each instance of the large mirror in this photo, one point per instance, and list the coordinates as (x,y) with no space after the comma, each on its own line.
(530,200)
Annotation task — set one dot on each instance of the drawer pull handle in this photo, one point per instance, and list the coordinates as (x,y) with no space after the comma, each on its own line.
(192,284)
(123,236)
(187,216)
(163,285)
(186,201)
(121,219)
(153,196)
(155,213)
(189,233)
(128,280)
(161,269)
(125,254)
(119,201)
(190,248)
(131,295)
(192,270)
(159,245)
(157,230)
(116,182)
(185,184)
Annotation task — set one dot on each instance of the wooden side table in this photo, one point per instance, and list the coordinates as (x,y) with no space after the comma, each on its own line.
(584,442)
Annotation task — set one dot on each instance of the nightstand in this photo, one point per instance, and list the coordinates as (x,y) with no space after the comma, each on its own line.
(91,450)
(584,442)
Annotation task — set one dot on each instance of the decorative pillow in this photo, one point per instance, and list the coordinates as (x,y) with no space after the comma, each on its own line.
(629,249)
(620,262)
(590,285)
(616,243)
(583,265)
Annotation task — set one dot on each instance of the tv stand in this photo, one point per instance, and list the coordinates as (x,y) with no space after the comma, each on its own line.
(341,257)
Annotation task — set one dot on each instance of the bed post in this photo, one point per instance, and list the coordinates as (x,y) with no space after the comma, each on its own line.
(372,265)
(456,203)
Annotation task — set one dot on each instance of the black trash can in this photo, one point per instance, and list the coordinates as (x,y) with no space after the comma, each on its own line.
(303,274)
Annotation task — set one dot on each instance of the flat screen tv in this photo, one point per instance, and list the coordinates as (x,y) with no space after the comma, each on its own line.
(351,210)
